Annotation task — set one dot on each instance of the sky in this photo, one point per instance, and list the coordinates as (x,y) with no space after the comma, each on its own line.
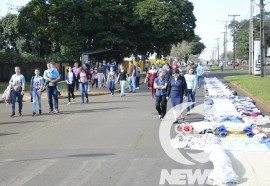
(207,12)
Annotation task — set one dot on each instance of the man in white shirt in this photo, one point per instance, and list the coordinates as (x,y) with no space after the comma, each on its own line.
(191,80)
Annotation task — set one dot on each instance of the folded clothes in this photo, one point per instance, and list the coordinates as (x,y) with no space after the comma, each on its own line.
(247,129)
(223,134)
(250,134)
(222,128)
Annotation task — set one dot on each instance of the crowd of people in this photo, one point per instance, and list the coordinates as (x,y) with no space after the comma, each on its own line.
(77,79)
(167,82)
(164,81)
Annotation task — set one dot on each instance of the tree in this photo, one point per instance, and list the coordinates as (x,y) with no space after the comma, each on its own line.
(185,49)
(68,27)
(9,32)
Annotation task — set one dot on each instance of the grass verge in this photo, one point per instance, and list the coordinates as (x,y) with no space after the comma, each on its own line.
(255,85)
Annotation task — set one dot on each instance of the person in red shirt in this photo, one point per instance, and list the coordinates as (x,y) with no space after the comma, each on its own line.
(150,77)
(174,65)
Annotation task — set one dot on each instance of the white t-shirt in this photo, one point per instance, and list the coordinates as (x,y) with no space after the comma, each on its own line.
(191,80)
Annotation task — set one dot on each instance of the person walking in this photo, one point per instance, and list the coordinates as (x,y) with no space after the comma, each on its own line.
(146,66)
(168,72)
(132,77)
(37,83)
(100,75)
(76,70)
(160,85)
(177,91)
(105,72)
(221,64)
(70,80)
(122,77)
(83,77)
(111,80)
(150,77)
(87,70)
(52,77)
(95,77)
(138,76)
(200,72)
(17,83)
(191,88)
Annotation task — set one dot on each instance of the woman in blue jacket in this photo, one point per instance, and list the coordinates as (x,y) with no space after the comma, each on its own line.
(70,79)
(177,90)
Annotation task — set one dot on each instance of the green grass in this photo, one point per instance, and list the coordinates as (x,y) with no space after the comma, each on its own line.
(257,86)
(230,68)
(3,86)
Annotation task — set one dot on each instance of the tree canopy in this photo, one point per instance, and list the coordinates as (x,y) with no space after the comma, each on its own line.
(68,27)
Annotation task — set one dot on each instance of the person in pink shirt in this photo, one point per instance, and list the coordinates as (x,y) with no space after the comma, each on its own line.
(83,78)
(76,70)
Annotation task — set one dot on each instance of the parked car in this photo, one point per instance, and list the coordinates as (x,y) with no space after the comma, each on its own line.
(267,63)
(229,63)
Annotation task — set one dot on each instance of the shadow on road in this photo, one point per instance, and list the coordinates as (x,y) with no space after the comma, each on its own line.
(21,122)
(6,134)
(90,155)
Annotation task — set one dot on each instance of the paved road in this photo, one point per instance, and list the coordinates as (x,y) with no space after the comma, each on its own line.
(111,141)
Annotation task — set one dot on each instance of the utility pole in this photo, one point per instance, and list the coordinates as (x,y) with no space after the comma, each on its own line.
(251,39)
(262,39)
(225,41)
(217,49)
(234,41)
(224,45)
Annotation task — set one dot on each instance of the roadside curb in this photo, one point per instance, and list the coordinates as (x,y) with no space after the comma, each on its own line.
(264,107)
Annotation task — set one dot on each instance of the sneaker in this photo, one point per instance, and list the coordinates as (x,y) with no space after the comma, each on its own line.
(159,116)
(175,122)
(40,112)
(12,115)
(50,111)
(68,103)
(73,101)
(87,101)
(20,114)
(56,110)
(34,114)
(82,103)
(137,88)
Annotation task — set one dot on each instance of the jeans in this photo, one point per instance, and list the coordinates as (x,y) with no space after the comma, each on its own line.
(36,97)
(111,87)
(137,81)
(123,86)
(132,84)
(52,94)
(14,95)
(84,88)
(199,81)
(161,105)
(70,91)
(191,98)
